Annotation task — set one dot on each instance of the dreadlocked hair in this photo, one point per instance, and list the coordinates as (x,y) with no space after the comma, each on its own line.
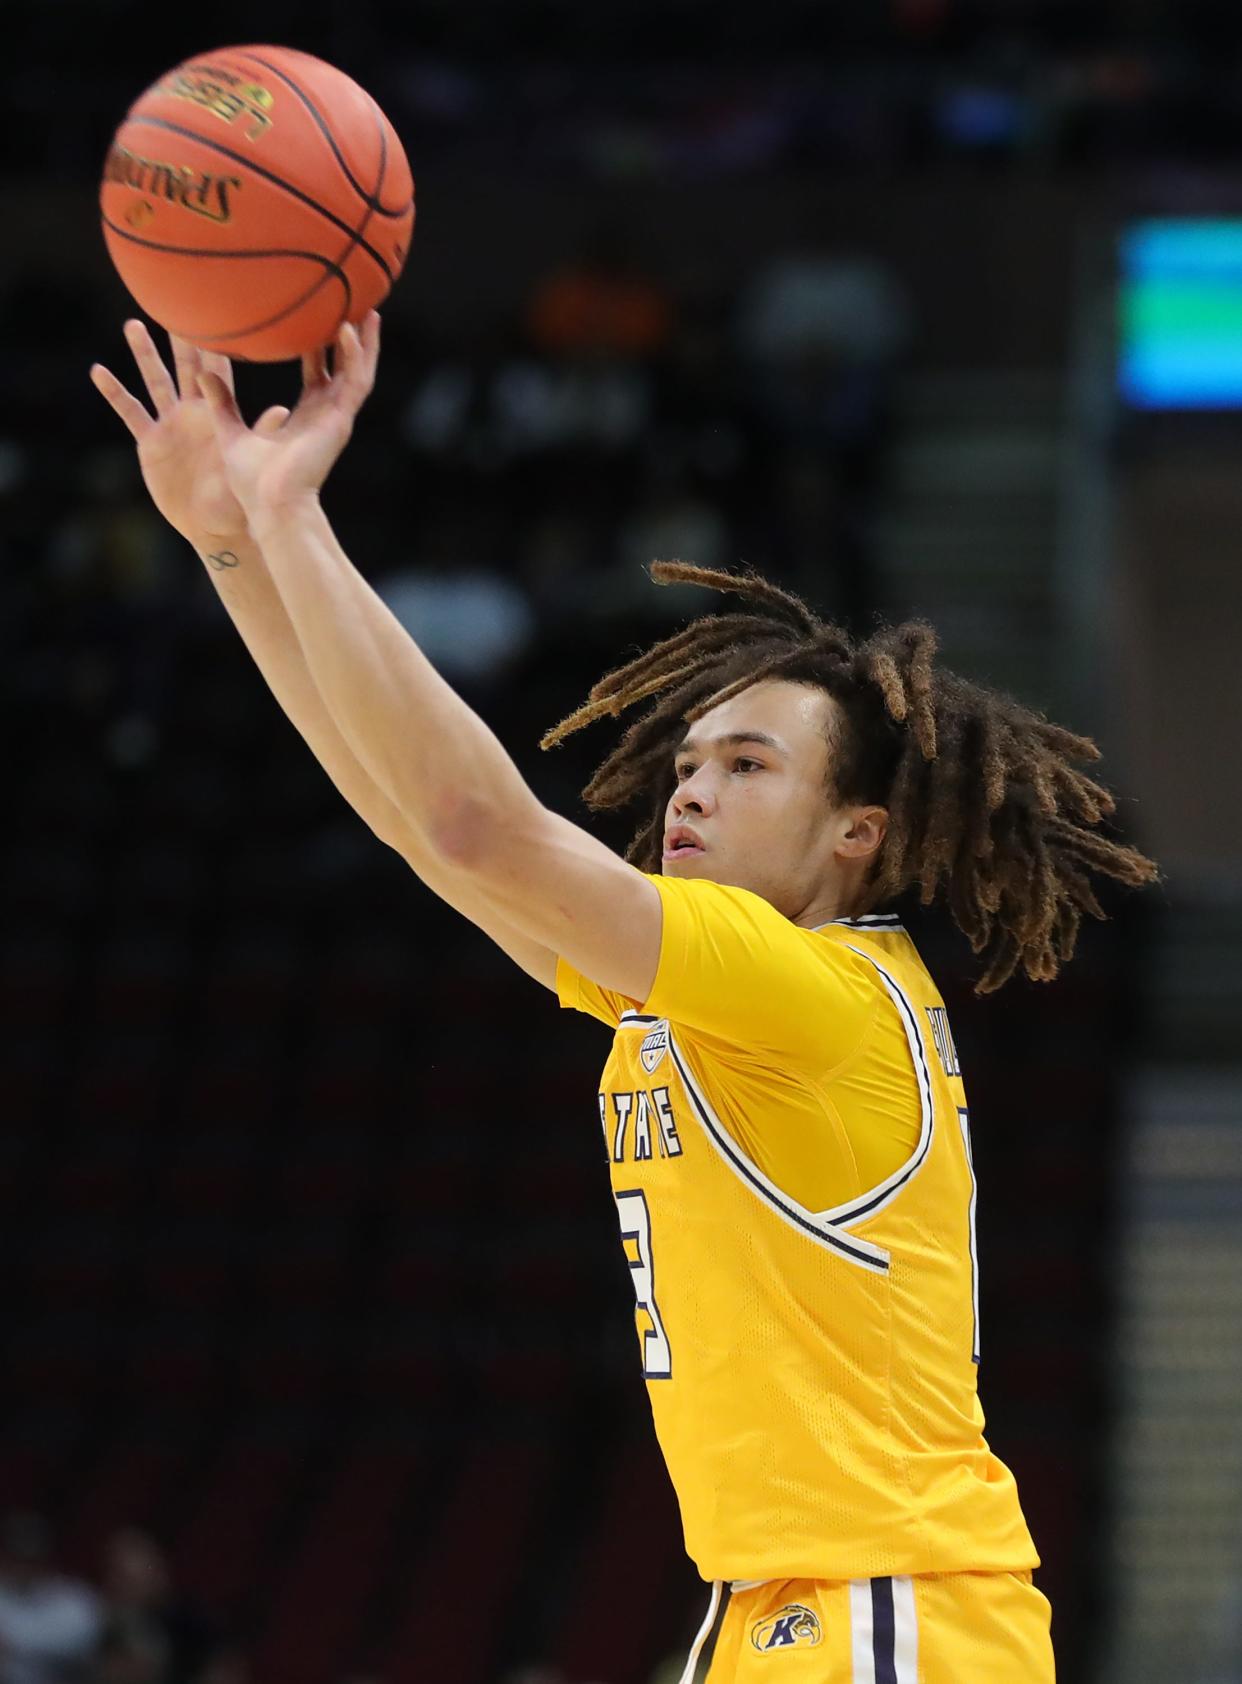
(987,807)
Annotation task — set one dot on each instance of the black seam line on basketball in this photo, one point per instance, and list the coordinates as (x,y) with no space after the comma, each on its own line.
(361,229)
(331,271)
(268,175)
(371,199)
(332,274)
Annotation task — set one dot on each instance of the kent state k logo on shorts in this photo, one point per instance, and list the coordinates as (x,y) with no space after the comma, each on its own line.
(791,1627)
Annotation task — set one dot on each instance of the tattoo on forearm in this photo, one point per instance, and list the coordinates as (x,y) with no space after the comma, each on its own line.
(222,559)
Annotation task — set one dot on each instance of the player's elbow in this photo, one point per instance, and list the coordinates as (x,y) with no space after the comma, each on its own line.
(457,831)
(468,833)
(483,839)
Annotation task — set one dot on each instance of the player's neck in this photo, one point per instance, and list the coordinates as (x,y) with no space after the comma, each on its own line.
(835,900)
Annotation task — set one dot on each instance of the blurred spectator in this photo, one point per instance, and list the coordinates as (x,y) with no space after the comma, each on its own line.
(601,404)
(120,580)
(671,521)
(823,330)
(225,1666)
(49,1624)
(600,303)
(516,405)
(129,1657)
(469,622)
(153,1634)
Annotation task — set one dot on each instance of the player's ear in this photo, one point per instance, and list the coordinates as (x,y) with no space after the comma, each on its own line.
(865,830)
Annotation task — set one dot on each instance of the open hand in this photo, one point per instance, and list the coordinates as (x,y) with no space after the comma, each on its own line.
(177,449)
(276,463)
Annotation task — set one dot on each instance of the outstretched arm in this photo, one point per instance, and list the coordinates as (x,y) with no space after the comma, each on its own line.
(455,787)
(182,469)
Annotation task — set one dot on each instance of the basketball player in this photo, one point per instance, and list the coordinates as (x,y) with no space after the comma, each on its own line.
(783,1111)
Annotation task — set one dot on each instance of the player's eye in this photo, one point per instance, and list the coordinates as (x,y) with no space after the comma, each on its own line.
(684,769)
(744,764)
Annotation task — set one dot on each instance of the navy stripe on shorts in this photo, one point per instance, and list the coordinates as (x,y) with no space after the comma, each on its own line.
(882,1631)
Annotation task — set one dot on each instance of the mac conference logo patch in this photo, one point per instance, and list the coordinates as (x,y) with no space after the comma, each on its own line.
(791,1627)
(654,1047)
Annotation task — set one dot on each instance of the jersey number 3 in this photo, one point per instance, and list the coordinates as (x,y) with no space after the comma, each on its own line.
(636,1239)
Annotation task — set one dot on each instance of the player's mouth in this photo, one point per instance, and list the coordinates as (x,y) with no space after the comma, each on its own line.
(680,843)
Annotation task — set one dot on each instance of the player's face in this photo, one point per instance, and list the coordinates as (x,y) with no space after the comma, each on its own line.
(751,807)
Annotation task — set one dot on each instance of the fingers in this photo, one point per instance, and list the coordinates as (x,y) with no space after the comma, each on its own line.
(349,353)
(271,421)
(371,342)
(357,355)
(225,415)
(215,363)
(315,369)
(186,361)
(126,405)
(156,377)
(189,362)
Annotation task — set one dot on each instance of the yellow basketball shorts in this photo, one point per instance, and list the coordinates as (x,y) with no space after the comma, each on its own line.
(950,1628)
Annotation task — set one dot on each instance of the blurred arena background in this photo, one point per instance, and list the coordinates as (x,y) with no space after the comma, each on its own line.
(317,1363)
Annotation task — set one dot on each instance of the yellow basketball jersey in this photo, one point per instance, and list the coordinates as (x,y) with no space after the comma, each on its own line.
(811,1368)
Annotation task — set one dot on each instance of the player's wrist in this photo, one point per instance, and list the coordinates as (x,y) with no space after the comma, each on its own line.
(222,550)
(272,517)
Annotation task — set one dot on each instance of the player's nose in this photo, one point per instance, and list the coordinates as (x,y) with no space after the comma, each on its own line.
(694,795)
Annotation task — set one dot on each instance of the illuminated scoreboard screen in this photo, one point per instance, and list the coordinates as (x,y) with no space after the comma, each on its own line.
(1180,314)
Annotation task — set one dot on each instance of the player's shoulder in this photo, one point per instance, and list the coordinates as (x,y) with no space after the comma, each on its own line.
(729,903)
(698,901)
(882,943)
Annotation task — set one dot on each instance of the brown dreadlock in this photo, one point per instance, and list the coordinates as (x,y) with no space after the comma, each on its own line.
(985,804)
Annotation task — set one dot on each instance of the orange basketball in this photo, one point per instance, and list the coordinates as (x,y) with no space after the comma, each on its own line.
(254,199)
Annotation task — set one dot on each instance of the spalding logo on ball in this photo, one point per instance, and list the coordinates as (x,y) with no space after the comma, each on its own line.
(254,199)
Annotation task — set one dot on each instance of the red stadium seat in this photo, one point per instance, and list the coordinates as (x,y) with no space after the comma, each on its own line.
(175,1363)
(450,1623)
(322,1594)
(208,1168)
(634,1542)
(57,1358)
(285,1369)
(136,978)
(224,1541)
(125,1488)
(329,1168)
(222,1089)
(304,1267)
(67,1267)
(36,971)
(403,1366)
(30,1473)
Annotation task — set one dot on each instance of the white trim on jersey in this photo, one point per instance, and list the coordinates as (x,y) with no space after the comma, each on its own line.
(709,1620)
(963,1117)
(866,1204)
(816,1226)
(866,921)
